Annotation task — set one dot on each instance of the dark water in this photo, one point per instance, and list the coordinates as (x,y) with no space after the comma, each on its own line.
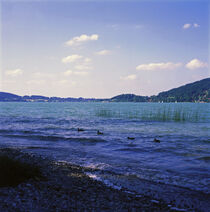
(181,158)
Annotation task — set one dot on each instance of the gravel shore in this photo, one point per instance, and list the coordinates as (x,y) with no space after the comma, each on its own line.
(66,187)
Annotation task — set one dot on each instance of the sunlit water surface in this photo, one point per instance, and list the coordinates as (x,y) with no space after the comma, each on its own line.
(181,158)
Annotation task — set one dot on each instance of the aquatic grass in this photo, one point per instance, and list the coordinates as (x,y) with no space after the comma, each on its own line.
(103,113)
(106,113)
(156,112)
(178,114)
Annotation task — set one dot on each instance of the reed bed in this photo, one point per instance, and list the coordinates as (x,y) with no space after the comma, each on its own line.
(163,113)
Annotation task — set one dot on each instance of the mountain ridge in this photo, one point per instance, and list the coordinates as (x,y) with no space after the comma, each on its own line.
(198,91)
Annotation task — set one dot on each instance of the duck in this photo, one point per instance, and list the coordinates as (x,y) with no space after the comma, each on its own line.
(99,133)
(80,130)
(130,138)
(156,140)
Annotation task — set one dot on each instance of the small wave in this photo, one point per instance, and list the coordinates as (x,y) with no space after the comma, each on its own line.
(186,154)
(10,131)
(167,150)
(35,147)
(206,141)
(105,181)
(96,166)
(127,149)
(24,121)
(32,120)
(5,131)
(36,137)
(205,158)
(56,138)
(89,140)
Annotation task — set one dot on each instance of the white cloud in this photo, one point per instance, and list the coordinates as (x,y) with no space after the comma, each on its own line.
(62,82)
(68,72)
(114,26)
(158,66)
(43,75)
(103,52)
(71,58)
(87,60)
(83,67)
(14,73)
(75,73)
(186,26)
(129,77)
(196,25)
(35,82)
(81,73)
(81,39)
(65,82)
(9,81)
(195,64)
(138,26)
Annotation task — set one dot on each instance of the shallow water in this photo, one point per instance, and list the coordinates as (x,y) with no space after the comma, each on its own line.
(181,158)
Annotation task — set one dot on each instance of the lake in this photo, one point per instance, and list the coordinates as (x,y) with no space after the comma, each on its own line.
(182,157)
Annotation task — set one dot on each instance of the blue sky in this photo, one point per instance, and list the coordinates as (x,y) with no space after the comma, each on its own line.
(102,48)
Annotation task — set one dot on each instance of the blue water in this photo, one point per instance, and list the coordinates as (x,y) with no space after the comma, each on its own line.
(181,158)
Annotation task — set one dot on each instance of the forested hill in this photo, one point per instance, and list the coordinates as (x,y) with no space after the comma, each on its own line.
(193,92)
(5,97)
(129,98)
(198,91)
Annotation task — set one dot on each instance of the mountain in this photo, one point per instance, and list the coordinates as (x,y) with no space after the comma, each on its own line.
(8,97)
(198,91)
(129,98)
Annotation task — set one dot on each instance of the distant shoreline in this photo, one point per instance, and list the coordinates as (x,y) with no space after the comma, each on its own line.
(198,91)
(102,102)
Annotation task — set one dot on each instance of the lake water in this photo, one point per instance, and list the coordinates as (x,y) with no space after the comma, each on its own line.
(181,158)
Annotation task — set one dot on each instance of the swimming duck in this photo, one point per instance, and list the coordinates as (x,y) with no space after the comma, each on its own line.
(156,140)
(130,138)
(99,133)
(80,130)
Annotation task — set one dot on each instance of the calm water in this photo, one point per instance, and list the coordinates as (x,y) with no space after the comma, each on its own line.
(181,158)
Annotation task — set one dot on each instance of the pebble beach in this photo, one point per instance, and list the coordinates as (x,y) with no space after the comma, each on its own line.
(66,187)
